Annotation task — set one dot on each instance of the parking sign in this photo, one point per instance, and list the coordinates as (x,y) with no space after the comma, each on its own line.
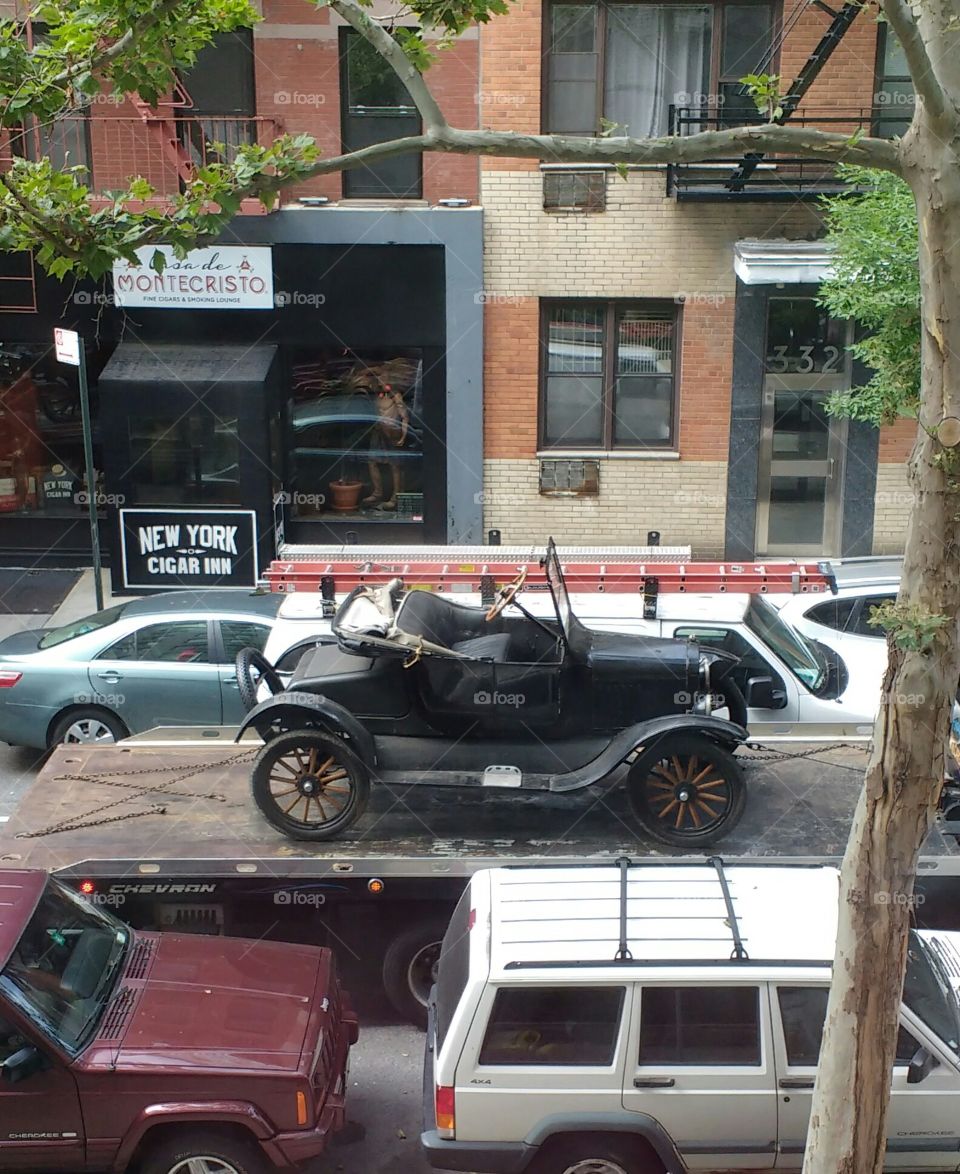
(67,344)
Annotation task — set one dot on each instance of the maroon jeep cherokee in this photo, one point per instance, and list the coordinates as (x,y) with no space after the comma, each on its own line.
(161,1053)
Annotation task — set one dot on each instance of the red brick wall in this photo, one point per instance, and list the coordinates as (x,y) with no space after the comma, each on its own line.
(511,358)
(510,364)
(511,49)
(297,76)
(706,372)
(896,442)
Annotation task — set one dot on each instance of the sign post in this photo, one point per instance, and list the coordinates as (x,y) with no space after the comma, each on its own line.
(70,350)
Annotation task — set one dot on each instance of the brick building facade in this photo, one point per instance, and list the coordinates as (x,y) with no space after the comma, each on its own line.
(648,248)
(583,353)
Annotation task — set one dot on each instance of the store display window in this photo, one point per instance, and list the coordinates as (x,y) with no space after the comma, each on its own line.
(191,457)
(41,437)
(355,436)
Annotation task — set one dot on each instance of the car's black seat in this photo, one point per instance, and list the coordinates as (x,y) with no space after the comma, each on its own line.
(451,625)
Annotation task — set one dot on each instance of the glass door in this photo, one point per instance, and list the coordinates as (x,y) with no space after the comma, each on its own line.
(801,447)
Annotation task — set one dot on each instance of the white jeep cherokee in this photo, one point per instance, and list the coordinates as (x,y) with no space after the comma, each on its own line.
(662,1018)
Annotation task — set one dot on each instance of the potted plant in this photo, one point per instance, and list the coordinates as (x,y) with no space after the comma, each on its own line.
(345,494)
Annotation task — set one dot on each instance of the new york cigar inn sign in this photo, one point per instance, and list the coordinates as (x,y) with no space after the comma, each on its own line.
(223,277)
(166,549)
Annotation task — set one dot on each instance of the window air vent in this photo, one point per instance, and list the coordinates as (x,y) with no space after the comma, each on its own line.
(575,191)
(570,478)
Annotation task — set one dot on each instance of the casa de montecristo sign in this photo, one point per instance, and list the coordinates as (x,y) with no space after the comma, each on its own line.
(219,278)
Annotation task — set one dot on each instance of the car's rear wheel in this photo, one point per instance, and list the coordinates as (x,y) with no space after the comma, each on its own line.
(204,1153)
(310,785)
(599,1154)
(82,727)
(686,790)
(253,669)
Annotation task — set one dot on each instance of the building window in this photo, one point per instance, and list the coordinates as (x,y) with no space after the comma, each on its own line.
(629,63)
(42,466)
(179,457)
(355,436)
(375,106)
(608,375)
(894,96)
(65,139)
(222,95)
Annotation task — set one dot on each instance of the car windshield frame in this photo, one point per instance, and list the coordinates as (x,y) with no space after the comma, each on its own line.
(82,627)
(553,572)
(925,977)
(796,652)
(32,978)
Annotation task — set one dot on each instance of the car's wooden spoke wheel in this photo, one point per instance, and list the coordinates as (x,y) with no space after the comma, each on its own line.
(687,790)
(309,784)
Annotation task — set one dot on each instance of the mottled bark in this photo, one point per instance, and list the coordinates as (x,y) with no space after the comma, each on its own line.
(905,773)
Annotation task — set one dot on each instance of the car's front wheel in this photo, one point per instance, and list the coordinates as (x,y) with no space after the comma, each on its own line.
(82,727)
(687,791)
(310,785)
(204,1153)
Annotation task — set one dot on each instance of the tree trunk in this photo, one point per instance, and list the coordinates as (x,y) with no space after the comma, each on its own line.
(897,805)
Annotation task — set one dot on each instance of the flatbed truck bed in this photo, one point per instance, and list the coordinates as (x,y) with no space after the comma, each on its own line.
(163,828)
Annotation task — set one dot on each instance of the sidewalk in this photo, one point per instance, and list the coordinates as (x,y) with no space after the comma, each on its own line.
(81,601)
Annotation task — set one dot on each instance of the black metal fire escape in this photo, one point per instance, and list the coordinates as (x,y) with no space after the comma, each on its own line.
(840,21)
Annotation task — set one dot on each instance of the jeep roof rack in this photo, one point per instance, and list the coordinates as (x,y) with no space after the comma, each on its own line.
(663,915)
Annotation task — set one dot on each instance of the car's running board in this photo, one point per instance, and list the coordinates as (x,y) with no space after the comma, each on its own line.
(499,778)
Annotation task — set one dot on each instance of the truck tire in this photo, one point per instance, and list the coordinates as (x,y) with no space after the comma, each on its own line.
(687,791)
(88,725)
(410,967)
(204,1153)
(595,1154)
(310,785)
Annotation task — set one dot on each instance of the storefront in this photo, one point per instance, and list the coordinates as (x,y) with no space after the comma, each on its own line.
(342,404)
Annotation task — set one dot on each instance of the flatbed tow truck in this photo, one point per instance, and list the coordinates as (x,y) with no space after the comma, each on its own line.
(163,829)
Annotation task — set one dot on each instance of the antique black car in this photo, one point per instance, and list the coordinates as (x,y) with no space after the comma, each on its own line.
(420,689)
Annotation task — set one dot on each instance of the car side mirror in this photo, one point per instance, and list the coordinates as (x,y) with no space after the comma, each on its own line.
(22,1064)
(763,694)
(922,1063)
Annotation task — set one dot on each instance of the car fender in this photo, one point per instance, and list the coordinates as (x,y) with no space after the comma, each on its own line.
(635,1124)
(240,1113)
(727,734)
(297,709)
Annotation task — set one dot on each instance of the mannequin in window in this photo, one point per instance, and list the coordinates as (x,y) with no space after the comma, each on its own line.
(389,432)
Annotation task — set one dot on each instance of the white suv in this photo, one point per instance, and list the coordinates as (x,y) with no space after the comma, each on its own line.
(661,1017)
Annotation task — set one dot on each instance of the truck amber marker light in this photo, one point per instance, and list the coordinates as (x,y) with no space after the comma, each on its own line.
(446,1115)
(301,1108)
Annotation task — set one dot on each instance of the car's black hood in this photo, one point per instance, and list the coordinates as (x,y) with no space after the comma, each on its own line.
(21,643)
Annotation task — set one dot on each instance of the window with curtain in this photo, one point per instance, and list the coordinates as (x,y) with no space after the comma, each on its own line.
(629,63)
(608,375)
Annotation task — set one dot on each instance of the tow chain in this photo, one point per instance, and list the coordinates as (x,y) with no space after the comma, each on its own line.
(98,777)
(768,754)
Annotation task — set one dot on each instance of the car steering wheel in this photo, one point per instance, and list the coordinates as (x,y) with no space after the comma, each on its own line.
(506,595)
(250,660)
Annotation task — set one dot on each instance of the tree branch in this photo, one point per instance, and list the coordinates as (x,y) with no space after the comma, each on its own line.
(709,145)
(359,19)
(925,81)
(38,221)
(121,44)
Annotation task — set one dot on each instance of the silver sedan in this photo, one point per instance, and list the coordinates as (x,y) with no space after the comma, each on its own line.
(165,660)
